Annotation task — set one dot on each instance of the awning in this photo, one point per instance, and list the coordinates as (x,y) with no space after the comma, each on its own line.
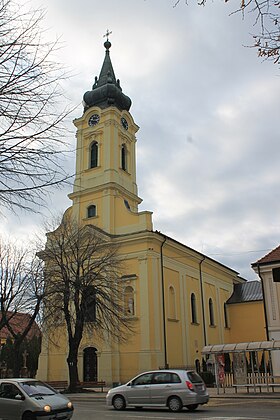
(241,347)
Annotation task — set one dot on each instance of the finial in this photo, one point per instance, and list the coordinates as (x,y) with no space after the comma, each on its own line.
(107,34)
(107,43)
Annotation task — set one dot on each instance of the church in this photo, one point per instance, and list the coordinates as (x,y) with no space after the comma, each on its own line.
(175,296)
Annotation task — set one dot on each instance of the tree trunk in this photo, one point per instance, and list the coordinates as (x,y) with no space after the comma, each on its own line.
(72,361)
(17,362)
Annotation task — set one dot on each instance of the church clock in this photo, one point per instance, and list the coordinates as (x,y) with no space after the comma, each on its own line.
(93,120)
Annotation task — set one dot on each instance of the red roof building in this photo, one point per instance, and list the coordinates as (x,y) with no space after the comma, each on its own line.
(19,322)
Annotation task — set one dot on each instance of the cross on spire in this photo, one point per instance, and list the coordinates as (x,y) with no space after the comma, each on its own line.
(107,34)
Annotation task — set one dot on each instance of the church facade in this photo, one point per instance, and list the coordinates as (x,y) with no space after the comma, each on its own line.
(175,296)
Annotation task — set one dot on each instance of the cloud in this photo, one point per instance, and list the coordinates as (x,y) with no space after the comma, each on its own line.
(208,145)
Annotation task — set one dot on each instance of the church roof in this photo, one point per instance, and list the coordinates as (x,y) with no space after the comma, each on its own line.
(246,292)
(272,256)
(106,90)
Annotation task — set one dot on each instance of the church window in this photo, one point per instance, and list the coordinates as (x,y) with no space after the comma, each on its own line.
(129,308)
(94,155)
(124,157)
(276,274)
(226,316)
(211,312)
(88,303)
(91,211)
(193,308)
(126,203)
(172,304)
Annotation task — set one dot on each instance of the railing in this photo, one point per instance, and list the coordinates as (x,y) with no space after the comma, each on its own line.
(257,379)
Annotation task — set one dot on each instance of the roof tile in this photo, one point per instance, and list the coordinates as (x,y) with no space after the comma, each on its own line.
(272,256)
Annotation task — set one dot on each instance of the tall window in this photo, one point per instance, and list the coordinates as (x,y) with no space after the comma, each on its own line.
(172,305)
(94,155)
(211,312)
(124,157)
(193,308)
(89,303)
(91,211)
(225,315)
(129,301)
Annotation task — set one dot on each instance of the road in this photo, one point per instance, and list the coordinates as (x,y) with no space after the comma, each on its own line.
(216,409)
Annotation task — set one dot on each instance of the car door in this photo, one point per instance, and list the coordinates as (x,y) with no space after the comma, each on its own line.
(139,390)
(162,387)
(10,404)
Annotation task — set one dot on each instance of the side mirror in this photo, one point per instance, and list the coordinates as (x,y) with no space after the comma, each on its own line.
(129,384)
(19,397)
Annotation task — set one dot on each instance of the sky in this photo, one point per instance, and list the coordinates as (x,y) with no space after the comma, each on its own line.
(208,110)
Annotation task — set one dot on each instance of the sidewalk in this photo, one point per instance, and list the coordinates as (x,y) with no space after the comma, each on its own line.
(213,392)
(231,393)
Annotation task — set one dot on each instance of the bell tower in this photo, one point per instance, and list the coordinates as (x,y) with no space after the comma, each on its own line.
(105,190)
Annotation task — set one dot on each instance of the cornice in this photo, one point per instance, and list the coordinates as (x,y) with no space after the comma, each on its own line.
(111,186)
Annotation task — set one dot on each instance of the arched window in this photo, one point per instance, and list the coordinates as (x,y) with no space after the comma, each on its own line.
(225,315)
(94,155)
(197,365)
(172,304)
(193,308)
(88,303)
(124,157)
(129,308)
(90,364)
(91,211)
(211,312)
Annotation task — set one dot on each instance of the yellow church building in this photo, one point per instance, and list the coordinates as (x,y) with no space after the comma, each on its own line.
(175,296)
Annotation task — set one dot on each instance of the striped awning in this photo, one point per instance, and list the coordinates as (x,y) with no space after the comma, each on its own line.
(241,347)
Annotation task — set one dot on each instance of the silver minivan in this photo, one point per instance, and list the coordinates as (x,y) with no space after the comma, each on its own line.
(29,399)
(174,389)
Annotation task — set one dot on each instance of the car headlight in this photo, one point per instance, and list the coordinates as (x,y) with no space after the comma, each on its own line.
(47,409)
(69,404)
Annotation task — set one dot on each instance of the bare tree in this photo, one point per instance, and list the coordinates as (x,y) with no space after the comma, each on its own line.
(266,24)
(21,294)
(83,271)
(31,129)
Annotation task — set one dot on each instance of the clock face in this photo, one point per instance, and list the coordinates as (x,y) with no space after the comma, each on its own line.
(93,120)
(124,123)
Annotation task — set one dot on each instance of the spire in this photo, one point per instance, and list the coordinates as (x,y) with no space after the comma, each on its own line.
(106,90)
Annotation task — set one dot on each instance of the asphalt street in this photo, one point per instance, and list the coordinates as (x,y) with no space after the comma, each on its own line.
(217,409)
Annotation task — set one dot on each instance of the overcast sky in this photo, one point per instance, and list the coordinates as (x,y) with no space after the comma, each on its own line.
(208,110)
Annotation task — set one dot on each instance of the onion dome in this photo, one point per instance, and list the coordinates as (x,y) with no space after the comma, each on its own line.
(106,90)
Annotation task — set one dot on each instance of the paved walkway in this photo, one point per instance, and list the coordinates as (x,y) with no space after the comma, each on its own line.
(242,393)
(213,392)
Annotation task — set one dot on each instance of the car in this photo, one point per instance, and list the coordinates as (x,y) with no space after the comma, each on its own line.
(174,389)
(30,399)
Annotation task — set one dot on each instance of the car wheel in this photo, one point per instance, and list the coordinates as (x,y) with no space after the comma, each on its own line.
(175,404)
(192,407)
(28,416)
(119,402)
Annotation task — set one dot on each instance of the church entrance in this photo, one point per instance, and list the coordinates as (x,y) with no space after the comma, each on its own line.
(90,364)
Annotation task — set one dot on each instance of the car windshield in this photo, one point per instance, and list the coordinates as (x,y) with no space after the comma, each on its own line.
(194,377)
(33,388)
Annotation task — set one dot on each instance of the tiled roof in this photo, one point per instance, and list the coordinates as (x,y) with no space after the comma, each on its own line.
(18,322)
(246,292)
(272,256)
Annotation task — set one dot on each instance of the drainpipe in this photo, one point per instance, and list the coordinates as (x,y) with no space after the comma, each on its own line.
(264,303)
(163,306)
(202,301)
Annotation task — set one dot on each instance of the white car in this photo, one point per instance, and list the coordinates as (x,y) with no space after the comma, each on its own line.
(29,399)
(174,389)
